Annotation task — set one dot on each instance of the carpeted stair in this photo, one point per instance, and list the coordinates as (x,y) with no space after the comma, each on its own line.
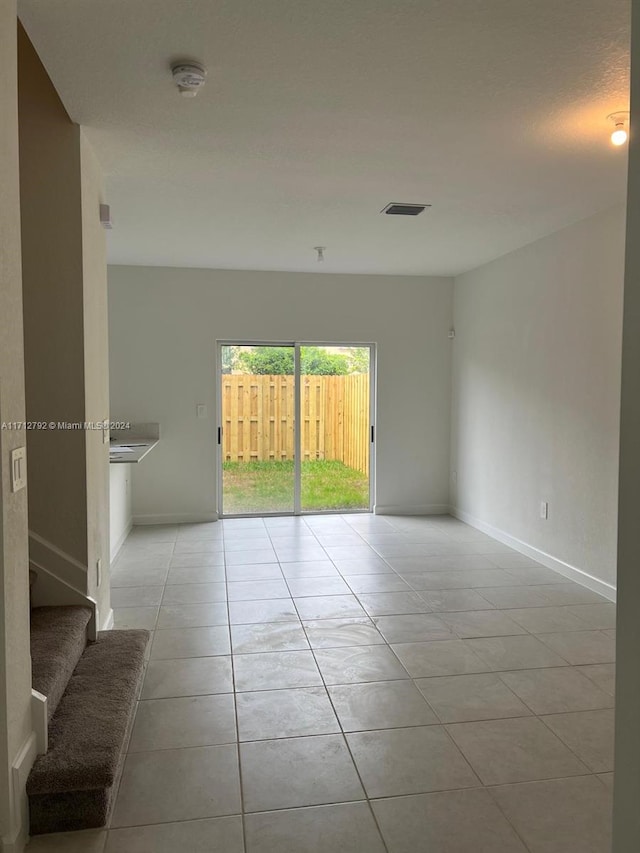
(70,787)
(58,639)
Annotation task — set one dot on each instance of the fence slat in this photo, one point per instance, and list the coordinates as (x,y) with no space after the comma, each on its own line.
(233,422)
(305,427)
(288,451)
(312,447)
(322,418)
(274,408)
(260,421)
(258,416)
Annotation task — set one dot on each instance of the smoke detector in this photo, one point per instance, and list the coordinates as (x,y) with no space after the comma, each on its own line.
(189,77)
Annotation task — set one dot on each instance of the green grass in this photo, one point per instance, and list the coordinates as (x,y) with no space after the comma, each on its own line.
(268,487)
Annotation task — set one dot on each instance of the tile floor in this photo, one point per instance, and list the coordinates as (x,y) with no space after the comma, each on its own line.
(361,684)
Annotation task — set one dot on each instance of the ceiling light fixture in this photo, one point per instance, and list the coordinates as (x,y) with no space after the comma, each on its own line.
(320,250)
(189,77)
(620,132)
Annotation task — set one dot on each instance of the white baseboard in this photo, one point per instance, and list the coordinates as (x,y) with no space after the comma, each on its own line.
(49,589)
(107,623)
(415,509)
(115,550)
(40,720)
(176,518)
(568,571)
(15,840)
(57,562)
(61,579)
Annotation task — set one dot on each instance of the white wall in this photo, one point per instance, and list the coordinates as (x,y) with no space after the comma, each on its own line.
(15,662)
(96,376)
(64,277)
(52,286)
(536,393)
(120,506)
(164,323)
(626,814)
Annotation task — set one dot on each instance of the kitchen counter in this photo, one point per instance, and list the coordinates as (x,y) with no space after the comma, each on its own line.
(132,451)
(140,439)
(131,445)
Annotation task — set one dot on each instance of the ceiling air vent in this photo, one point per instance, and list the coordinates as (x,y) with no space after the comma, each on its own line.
(395,209)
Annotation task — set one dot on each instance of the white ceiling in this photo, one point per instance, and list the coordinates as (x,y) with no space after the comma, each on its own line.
(317,114)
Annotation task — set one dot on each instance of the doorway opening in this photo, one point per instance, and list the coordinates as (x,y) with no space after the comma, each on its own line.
(296,431)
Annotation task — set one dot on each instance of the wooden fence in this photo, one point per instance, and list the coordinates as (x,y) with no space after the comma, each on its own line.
(258,418)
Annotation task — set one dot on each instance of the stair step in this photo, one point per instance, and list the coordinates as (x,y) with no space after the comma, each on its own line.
(58,639)
(71,786)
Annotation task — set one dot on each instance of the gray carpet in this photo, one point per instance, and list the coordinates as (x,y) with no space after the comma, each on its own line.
(58,639)
(70,787)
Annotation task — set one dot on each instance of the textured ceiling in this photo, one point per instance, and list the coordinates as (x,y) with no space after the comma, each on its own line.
(317,114)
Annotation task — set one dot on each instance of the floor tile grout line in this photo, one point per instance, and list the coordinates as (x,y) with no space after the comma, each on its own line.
(366,618)
(443,723)
(516,669)
(237,814)
(504,672)
(437,724)
(496,802)
(562,740)
(348,747)
(423,594)
(235,711)
(461,752)
(480,787)
(588,771)
(497,672)
(354,762)
(129,736)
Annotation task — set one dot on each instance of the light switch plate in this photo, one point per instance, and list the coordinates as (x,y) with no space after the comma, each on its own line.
(18,469)
(201,410)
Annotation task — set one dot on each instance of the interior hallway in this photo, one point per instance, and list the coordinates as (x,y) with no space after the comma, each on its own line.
(362,684)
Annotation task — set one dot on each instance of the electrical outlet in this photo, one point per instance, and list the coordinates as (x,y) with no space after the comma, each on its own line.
(544,510)
(98,572)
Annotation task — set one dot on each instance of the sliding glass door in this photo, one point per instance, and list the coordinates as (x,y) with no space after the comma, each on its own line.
(335,426)
(258,428)
(296,428)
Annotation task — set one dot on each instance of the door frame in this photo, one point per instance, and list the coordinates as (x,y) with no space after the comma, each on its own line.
(296,346)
